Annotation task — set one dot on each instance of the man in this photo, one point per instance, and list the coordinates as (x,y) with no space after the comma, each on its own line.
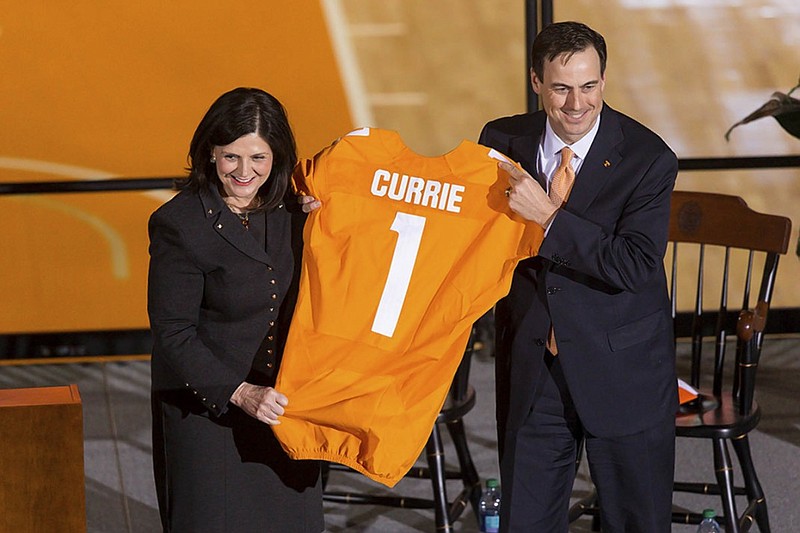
(584,337)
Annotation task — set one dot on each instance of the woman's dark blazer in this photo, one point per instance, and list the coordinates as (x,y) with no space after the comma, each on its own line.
(215,295)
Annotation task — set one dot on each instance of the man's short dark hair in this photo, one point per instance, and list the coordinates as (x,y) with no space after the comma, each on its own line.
(565,38)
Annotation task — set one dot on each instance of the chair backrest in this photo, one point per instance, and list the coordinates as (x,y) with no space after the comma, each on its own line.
(746,243)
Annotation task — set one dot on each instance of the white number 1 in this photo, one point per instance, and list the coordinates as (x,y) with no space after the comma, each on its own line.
(409,235)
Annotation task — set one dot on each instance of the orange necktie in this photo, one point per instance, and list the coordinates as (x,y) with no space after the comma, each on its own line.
(560,187)
(563,177)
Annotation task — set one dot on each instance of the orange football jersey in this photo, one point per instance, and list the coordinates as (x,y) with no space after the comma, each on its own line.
(404,255)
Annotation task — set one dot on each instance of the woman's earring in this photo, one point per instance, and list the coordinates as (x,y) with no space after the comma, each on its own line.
(213,159)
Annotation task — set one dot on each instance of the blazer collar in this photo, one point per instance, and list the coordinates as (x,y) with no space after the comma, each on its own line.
(601,162)
(524,147)
(225,223)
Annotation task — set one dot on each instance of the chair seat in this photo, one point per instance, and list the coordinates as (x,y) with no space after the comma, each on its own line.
(454,410)
(712,416)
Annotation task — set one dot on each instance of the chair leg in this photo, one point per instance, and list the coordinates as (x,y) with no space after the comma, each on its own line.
(469,475)
(435,452)
(724,473)
(753,487)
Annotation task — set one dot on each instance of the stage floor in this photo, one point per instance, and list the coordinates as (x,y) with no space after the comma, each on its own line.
(121,496)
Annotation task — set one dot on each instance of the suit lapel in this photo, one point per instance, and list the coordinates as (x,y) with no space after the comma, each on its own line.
(278,233)
(600,164)
(229,227)
(525,147)
(523,150)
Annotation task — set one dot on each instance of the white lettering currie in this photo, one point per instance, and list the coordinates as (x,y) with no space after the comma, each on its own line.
(418,191)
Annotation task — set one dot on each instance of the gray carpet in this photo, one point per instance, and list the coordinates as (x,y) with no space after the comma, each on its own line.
(120,496)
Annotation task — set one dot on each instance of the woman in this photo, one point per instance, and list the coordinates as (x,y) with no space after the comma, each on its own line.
(224,265)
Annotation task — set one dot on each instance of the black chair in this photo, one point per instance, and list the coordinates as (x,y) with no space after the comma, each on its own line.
(460,401)
(746,244)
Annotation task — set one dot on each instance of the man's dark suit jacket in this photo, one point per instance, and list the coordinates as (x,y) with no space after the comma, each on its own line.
(215,295)
(599,277)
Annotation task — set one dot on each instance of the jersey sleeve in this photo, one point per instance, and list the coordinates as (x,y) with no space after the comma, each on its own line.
(309,173)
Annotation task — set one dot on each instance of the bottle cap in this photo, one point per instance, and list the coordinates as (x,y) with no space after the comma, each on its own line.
(709,513)
(492,483)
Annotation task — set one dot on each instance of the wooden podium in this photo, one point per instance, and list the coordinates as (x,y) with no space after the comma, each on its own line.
(41,460)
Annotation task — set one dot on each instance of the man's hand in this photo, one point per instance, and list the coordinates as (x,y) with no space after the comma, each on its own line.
(309,203)
(526,197)
(262,403)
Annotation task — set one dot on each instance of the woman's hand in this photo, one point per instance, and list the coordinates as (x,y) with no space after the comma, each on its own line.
(262,403)
(309,203)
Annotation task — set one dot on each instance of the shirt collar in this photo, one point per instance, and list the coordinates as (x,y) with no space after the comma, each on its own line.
(553,144)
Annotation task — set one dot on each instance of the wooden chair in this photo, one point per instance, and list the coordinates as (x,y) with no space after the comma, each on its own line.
(727,412)
(460,401)
(701,225)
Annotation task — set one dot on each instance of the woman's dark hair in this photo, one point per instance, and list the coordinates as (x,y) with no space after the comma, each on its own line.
(236,113)
(565,38)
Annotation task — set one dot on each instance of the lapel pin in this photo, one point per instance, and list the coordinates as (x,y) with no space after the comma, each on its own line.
(606,163)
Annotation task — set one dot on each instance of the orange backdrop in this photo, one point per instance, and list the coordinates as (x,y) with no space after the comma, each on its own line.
(95,90)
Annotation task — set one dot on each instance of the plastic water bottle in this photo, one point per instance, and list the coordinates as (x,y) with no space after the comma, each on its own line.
(709,523)
(490,507)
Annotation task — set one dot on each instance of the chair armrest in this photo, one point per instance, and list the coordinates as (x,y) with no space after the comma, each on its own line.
(749,328)
(752,321)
